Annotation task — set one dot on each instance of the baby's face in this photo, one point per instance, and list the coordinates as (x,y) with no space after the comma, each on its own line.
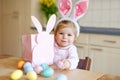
(65,37)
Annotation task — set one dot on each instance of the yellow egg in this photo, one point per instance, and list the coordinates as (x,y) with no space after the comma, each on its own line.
(17,74)
(31,75)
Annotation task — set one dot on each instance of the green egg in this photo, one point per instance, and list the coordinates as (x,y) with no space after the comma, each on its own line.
(48,72)
(44,66)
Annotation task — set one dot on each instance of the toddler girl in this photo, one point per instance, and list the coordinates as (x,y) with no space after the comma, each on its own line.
(66,56)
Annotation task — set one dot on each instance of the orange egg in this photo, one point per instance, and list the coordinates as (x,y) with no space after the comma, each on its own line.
(20,64)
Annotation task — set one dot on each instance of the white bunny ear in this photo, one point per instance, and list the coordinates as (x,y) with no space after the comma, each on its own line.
(37,24)
(51,23)
(80,8)
(65,7)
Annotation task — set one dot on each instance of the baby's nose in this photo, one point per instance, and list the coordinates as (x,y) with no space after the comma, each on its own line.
(65,36)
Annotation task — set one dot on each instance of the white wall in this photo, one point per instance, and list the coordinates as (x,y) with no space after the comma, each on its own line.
(101,13)
(35,11)
(15,23)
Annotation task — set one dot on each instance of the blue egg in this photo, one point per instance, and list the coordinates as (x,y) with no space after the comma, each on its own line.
(61,77)
(44,66)
(28,69)
(27,64)
(47,72)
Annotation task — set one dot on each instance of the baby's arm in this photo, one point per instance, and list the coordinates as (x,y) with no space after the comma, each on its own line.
(73,58)
(71,62)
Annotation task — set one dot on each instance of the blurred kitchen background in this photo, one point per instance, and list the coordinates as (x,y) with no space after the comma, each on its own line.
(103,15)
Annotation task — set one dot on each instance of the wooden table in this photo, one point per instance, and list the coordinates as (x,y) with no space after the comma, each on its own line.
(8,65)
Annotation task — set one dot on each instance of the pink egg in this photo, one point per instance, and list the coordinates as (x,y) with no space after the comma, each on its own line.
(38,69)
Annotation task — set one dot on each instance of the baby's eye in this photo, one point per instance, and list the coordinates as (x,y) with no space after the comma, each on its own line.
(69,34)
(61,33)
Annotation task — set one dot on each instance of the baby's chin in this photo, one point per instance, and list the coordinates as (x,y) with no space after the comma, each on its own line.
(64,45)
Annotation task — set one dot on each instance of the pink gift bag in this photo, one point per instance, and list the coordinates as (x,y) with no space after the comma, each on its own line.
(39,48)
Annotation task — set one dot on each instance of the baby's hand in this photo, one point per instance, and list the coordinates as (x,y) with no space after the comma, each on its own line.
(66,64)
(60,65)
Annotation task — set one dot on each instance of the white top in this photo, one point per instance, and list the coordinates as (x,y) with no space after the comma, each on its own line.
(69,53)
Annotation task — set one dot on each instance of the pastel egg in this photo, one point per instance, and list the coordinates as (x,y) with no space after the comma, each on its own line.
(61,77)
(31,75)
(27,64)
(48,72)
(20,64)
(17,74)
(28,69)
(38,69)
(44,66)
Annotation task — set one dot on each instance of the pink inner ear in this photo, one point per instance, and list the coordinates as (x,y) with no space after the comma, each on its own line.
(65,6)
(81,8)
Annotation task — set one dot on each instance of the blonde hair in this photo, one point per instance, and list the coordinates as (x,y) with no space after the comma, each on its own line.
(65,24)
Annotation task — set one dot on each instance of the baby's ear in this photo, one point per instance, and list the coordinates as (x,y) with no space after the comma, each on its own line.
(51,23)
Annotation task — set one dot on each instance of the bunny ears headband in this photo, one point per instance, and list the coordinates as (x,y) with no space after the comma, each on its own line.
(79,10)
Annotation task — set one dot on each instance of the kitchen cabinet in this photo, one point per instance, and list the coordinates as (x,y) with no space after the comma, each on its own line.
(0,28)
(82,45)
(105,59)
(15,21)
(104,50)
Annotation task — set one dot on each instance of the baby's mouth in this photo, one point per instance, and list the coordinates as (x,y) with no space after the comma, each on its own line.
(63,40)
